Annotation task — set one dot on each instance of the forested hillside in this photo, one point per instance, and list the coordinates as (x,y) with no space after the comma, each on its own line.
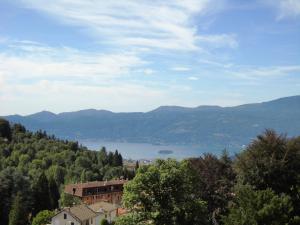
(34,167)
(211,127)
(260,186)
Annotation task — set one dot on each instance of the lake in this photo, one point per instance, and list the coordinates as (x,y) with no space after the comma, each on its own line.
(151,151)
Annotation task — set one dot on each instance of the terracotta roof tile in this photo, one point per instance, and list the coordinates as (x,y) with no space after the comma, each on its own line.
(77,189)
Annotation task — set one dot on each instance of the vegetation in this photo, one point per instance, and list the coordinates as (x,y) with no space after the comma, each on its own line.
(43,217)
(35,166)
(164,193)
(261,207)
(259,186)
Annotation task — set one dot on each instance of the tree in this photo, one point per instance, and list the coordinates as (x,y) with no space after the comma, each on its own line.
(104,222)
(272,161)
(18,215)
(164,194)
(261,207)
(67,200)
(43,217)
(137,165)
(216,182)
(110,158)
(102,156)
(6,190)
(5,131)
(53,194)
(117,159)
(41,194)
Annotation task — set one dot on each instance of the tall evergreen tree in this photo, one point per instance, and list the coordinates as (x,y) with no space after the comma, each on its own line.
(54,194)
(41,195)
(18,214)
(6,190)
(5,131)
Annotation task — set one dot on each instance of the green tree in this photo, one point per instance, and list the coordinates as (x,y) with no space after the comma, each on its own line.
(5,131)
(6,190)
(117,159)
(102,157)
(164,194)
(137,165)
(53,194)
(104,222)
(18,214)
(261,207)
(216,182)
(68,200)
(43,217)
(41,194)
(272,161)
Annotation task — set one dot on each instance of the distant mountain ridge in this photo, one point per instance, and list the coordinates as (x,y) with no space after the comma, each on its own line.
(204,125)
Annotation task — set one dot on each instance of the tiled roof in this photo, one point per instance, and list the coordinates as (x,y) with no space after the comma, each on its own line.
(105,206)
(81,212)
(79,187)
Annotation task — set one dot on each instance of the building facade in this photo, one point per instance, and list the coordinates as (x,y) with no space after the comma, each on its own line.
(97,191)
(77,215)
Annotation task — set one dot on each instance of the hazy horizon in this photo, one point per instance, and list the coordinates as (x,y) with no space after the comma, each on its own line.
(45,110)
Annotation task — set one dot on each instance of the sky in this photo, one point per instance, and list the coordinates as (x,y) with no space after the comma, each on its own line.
(136,55)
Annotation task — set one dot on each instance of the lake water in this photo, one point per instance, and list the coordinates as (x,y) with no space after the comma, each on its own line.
(150,151)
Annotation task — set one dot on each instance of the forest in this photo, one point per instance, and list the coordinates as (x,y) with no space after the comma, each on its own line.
(35,166)
(258,186)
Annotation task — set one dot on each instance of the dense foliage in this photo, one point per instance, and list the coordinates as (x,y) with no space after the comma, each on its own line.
(34,167)
(261,207)
(259,186)
(43,217)
(164,193)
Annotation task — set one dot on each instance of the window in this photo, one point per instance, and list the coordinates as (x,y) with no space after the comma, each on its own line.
(65,216)
(72,223)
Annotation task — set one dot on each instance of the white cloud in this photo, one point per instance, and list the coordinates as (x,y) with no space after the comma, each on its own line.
(286,8)
(257,73)
(181,68)
(166,25)
(193,78)
(62,96)
(148,71)
(223,40)
(37,61)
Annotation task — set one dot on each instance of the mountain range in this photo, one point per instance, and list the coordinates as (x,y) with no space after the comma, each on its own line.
(204,125)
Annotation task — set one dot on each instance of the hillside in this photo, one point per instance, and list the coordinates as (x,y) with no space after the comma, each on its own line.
(203,125)
(34,167)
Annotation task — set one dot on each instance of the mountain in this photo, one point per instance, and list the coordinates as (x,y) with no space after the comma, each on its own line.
(203,125)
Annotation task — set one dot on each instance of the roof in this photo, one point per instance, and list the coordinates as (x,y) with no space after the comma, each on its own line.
(81,212)
(103,206)
(80,186)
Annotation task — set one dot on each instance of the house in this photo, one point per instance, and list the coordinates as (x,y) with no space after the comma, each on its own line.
(96,191)
(109,210)
(77,215)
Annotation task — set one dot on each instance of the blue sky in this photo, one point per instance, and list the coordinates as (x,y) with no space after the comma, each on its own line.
(129,55)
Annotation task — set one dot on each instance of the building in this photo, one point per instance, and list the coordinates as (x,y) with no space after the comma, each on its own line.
(92,192)
(109,210)
(77,215)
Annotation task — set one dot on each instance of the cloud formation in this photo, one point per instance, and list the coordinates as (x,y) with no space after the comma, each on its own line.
(286,8)
(34,60)
(167,25)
